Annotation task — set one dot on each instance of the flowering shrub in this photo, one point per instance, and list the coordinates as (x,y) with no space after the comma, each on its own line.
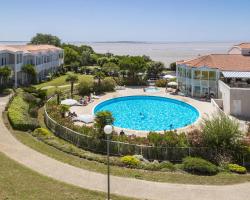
(130,161)
(237,169)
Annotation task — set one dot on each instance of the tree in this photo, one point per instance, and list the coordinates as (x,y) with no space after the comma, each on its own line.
(101,61)
(85,58)
(30,73)
(102,119)
(155,69)
(134,65)
(63,109)
(70,55)
(75,65)
(146,58)
(41,38)
(72,78)
(58,93)
(173,66)
(5,73)
(111,68)
(99,75)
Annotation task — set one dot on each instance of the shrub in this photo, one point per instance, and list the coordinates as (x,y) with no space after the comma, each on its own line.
(33,111)
(85,87)
(153,166)
(167,166)
(199,166)
(108,84)
(18,114)
(161,83)
(6,91)
(42,133)
(222,133)
(130,161)
(168,139)
(237,169)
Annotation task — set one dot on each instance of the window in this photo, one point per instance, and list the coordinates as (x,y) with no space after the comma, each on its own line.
(204,75)
(212,75)
(197,74)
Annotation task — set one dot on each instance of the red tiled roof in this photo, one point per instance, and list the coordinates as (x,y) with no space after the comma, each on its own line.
(243,45)
(224,62)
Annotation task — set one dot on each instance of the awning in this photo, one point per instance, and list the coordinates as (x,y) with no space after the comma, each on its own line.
(230,74)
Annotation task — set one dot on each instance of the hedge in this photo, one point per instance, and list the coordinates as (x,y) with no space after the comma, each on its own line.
(18,114)
(237,169)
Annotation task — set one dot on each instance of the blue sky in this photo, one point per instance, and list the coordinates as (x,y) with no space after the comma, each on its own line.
(127,20)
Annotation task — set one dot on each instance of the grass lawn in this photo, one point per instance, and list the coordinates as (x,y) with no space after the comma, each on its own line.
(60,81)
(177,177)
(19,182)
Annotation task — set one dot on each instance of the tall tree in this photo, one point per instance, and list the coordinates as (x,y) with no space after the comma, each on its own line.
(99,75)
(30,72)
(134,65)
(72,78)
(154,69)
(70,55)
(41,38)
(111,68)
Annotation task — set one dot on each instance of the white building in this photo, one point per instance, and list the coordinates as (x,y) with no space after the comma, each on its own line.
(45,58)
(225,76)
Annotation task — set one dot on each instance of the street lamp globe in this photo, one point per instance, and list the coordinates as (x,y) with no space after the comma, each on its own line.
(108,129)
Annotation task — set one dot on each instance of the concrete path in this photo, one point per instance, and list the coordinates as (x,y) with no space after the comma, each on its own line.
(120,186)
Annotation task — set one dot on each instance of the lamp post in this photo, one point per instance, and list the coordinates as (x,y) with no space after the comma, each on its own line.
(108,130)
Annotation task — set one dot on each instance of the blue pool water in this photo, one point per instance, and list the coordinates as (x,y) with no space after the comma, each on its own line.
(149,113)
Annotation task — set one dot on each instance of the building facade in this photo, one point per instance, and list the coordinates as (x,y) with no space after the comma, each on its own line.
(200,76)
(225,77)
(45,59)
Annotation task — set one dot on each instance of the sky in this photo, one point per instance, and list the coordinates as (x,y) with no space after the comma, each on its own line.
(126,20)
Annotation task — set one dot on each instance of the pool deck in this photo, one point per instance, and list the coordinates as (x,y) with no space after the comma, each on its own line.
(205,108)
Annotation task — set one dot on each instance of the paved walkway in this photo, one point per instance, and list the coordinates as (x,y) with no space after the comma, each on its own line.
(205,108)
(120,186)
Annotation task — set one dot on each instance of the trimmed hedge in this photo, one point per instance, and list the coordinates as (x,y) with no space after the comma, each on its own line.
(18,114)
(237,169)
(199,166)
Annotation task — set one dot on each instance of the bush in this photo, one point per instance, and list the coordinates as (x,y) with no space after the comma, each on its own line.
(108,84)
(237,169)
(85,87)
(199,166)
(161,83)
(18,114)
(42,133)
(223,134)
(6,91)
(33,111)
(130,161)
(167,166)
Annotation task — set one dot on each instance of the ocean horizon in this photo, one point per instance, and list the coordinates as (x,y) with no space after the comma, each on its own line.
(166,52)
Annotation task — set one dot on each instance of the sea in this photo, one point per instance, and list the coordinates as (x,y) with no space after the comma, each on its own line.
(166,52)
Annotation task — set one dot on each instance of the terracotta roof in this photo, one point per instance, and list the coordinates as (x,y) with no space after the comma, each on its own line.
(29,48)
(224,62)
(243,45)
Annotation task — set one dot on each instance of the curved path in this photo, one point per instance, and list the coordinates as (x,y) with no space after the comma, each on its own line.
(120,186)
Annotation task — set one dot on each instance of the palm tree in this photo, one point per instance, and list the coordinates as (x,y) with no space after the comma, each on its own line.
(63,109)
(58,93)
(72,78)
(99,75)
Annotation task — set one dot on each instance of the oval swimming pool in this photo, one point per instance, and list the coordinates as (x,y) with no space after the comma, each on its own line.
(149,113)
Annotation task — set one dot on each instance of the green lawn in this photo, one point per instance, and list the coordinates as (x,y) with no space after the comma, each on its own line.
(19,182)
(176,177)
(60,81)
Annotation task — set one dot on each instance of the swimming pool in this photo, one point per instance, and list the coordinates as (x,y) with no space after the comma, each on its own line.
(149,113)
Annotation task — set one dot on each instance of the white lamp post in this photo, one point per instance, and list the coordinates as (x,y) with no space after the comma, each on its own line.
(108,130)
